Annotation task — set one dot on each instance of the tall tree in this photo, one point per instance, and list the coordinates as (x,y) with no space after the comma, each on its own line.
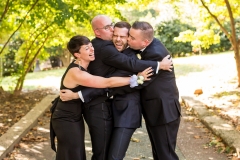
(46,23)
(222,11)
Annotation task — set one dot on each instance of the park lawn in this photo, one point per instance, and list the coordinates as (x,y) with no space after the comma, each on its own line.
(184,66)
(36,80)
(196,64)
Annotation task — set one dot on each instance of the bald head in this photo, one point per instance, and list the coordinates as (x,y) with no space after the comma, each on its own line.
(98,20)
(102,27)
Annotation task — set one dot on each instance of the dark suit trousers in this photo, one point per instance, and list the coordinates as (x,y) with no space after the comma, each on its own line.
(99,120)
(120,142)
(163,139)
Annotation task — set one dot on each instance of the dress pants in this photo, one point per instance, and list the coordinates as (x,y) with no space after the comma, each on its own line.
(99,120)
(120,142)
(163,140)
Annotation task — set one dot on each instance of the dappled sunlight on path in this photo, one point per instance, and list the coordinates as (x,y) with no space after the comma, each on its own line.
(215,73)
(217,77)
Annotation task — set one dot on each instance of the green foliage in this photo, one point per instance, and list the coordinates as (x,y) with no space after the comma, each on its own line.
(9,83)
(201,38)
(10,67)
(167,31)
(55,50)
(217,15)
(185,69)
(47,24)
(224,45)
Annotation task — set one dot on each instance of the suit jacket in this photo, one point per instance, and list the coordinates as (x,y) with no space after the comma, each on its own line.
(126,107)
(107,60)
(160,97)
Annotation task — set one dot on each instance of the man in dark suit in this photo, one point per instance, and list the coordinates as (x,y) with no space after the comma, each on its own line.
(159,97)
(126,108)
(97,111)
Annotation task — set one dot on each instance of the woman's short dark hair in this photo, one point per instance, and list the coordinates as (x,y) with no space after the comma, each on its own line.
(76,42)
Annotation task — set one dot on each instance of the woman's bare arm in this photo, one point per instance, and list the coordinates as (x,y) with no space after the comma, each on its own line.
(76,77)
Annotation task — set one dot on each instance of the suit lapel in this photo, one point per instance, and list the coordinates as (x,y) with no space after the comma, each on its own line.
(145,55)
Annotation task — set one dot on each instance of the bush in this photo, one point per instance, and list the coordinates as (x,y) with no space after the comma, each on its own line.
(167,31)
(224,45)
(10,67)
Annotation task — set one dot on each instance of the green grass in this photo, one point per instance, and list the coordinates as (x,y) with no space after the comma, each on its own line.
(34,80)
(43,74)
(193,64)
(183,66)
(185,69)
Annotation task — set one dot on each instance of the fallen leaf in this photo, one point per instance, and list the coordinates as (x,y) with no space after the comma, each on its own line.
(135,140)
(197,137)
(198,91)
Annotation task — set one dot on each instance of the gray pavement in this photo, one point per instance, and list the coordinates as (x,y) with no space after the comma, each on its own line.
(187,147)
(137,150)
(18,130)
(220,127)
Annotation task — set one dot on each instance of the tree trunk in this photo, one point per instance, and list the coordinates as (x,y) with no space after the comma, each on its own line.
(66,58)
(237,59)
(5,11)
(30,63)
(200,50)
(5,44)
(18,89)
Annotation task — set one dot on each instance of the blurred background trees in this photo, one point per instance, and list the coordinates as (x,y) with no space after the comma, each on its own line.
(37,31)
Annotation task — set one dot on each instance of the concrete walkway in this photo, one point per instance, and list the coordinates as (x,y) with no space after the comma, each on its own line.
(19,129)
(137,150)
(217,125)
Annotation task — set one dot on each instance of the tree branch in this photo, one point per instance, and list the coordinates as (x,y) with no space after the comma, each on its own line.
(19,84)
(31,45)
(234,38)
(5,10)
(216,19)
(18,27)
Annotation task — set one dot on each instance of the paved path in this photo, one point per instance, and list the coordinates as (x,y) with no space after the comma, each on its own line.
(188,147)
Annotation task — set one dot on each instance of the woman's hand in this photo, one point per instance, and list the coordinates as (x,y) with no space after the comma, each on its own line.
(146,73)
(67,95)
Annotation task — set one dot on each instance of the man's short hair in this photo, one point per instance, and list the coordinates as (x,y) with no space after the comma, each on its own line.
(76,42)
(123,24)
(146,28)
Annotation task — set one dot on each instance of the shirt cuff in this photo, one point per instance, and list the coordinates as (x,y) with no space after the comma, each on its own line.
(80,96)
(158,66)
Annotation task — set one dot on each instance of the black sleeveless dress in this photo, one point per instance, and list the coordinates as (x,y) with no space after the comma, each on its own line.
(68,125)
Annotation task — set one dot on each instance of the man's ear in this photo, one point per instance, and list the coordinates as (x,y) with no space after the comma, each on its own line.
(96,31)
(146,43)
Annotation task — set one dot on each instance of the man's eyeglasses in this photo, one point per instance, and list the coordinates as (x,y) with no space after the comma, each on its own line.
(107,27)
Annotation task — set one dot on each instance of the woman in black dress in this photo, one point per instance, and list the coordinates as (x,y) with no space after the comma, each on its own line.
(67,121)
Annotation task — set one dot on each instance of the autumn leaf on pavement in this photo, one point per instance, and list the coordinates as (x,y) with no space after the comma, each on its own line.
(40,139)
(197,137)
(135,140)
